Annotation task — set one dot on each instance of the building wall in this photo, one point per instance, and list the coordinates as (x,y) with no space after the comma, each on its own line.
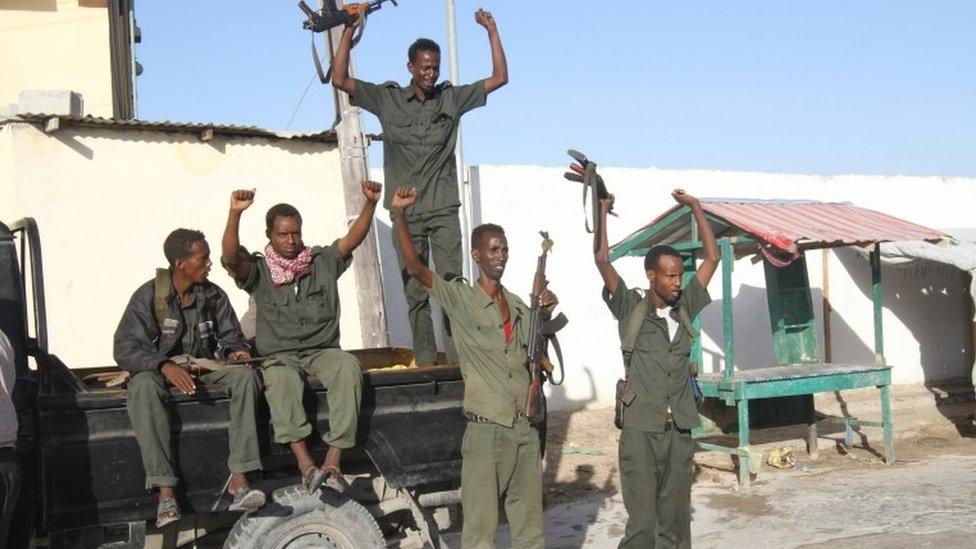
(925,315)
(105,199)
(56,45)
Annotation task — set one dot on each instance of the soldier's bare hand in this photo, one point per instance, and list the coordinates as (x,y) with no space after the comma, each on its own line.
(548,300)
(372,190)
(606,204)
(179,378)
(240,354)
(485,19)
(405,197)
(683,198)
(241,199)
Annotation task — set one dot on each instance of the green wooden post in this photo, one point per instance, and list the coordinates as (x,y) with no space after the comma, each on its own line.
(728,258)
(877,295)
(886,424)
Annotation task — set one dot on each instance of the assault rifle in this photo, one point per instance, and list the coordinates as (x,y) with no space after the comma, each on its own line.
(542,329)
(330,16)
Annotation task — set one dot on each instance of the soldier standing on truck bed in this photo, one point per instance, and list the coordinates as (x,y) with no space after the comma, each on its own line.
(500,450)
(420,128)
(295,289)
(658,405)
(180,312)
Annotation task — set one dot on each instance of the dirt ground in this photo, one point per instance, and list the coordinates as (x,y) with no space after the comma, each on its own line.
(581,456)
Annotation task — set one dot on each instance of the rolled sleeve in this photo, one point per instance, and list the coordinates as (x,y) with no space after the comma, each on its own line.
(470,96)
(695,297)
(449,295)
(250,283)
(622,301)
(331,259)
(368,96)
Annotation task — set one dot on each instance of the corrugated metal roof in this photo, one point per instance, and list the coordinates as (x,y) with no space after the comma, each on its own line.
(328,136)
(785,225)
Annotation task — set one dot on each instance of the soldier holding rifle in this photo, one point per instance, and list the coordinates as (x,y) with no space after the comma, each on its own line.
(500,449)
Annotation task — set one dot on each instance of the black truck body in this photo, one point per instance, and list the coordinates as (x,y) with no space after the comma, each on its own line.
(82,470)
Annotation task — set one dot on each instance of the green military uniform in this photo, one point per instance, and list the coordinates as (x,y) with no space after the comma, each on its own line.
(418,150)
(656,452)
(298,325)
(142,346)
(500,449)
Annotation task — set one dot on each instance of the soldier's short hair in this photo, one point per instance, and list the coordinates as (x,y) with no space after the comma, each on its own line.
(419,45)
(654,255)
(179,242)
(279,210)
(479,232)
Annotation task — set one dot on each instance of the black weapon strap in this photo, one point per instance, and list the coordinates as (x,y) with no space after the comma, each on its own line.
(559,357)
(589,187)
(325,76)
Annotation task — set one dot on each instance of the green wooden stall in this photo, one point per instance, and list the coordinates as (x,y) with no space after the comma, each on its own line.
(779,233)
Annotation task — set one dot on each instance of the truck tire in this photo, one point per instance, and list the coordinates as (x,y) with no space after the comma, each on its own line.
(294,519)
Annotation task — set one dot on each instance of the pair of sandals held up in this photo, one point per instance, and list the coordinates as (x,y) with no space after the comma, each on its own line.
(245,499)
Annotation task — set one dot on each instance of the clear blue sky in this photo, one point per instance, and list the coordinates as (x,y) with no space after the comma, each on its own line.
(833,86)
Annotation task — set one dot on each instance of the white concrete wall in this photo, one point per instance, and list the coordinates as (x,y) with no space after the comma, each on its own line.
(925,308)
(56,45)
(105,200)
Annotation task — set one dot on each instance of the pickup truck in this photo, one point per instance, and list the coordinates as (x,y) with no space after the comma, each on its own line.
(83,478)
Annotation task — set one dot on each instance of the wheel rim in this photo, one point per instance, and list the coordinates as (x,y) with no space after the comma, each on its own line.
(313,535)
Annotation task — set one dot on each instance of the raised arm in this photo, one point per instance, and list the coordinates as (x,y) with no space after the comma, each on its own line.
(360,228)
(710,255)
(340,64)
(499,66)
(235,258)
(602,254)
(404,198)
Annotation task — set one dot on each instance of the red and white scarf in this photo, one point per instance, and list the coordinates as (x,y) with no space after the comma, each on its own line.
(285,271)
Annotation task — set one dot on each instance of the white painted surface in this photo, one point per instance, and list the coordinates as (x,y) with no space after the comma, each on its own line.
(105,200)
(55,44)
(925,308)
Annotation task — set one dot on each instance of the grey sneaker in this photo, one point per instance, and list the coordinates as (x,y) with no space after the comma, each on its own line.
(247,499)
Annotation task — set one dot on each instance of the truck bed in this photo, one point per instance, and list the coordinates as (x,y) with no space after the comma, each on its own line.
(410,428)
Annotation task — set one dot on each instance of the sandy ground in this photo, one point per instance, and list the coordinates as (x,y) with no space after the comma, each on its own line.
(926,499)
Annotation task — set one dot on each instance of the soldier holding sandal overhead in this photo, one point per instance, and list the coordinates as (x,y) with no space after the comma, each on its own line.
(295,289)
(656,448)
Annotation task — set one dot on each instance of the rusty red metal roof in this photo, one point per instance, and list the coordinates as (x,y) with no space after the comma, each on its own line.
(784,225)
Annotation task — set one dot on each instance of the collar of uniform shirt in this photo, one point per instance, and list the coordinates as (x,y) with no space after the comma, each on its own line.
(410,91)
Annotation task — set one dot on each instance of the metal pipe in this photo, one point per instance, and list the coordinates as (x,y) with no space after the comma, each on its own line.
(464,183)
(439,499)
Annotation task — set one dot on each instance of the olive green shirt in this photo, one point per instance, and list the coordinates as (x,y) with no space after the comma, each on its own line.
(419,138)
(303,315)
(659,368)
(496,380)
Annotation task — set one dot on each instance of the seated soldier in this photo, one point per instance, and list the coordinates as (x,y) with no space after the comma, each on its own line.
(180,312)
(295,289)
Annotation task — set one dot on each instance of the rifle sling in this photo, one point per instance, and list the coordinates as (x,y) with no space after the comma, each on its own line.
(636,319)
(325,76)
(559,357)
